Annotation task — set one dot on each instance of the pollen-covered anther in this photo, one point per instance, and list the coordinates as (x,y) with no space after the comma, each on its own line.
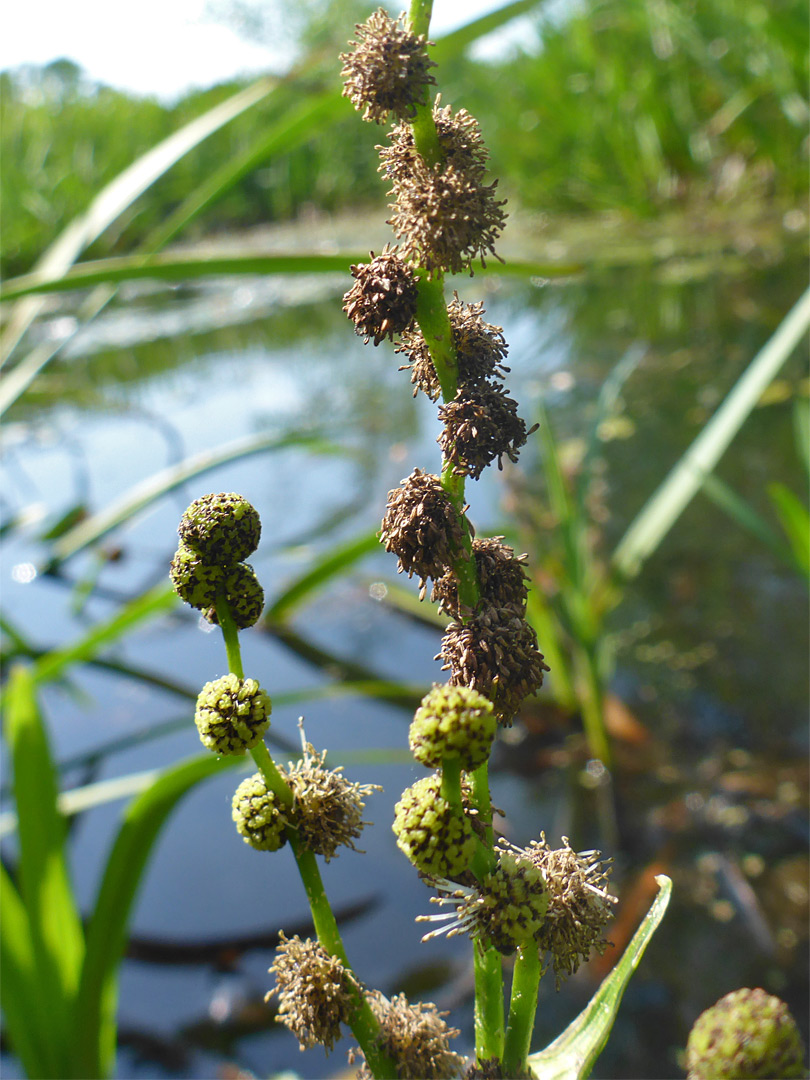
(388,69)
(232,714)
(244,595)
(481,425)
(480,350)
(437,837)
(502,579)
(258,815)
(495,652)
(505,910)
(327,808)
(316,992)
(415,1037)
(222,529)
(195,580)
(422,527)
(453,721)
(382,301)
(580,903)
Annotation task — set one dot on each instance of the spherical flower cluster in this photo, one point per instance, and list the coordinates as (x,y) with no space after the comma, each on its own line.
(216,533)
(481,425)
(316,992)
(421,526)
(232,714)
(415,1037)
(746,1035)
(327,808)
(436,837)
(453,721)
(258,814)
(382,301)
(388,69)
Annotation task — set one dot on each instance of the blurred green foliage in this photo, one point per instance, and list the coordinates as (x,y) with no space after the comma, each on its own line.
(623,104)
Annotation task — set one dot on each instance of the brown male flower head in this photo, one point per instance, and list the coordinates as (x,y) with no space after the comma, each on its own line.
(480,350)
(460,140)
(502,579)
(382,301)
(388,69)
(415,1037)
(421,526)
(481,425)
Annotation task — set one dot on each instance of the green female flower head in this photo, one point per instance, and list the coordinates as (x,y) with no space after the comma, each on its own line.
(328,808)
(453,721)
(258,814)
(436,837)
(746,1035)
(388,69)
(223,529)
(232,714)
(382,301)
(194,580)
(244,595)
(316,992)
(415,1037)
(503,911)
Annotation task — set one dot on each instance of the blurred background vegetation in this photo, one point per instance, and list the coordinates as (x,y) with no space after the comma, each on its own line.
(634,106)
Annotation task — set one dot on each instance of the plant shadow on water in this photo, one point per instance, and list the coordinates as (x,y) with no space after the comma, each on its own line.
(707,697)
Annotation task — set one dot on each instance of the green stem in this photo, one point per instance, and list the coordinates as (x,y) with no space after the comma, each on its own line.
(488,1004)
(230,635)
(522,1009)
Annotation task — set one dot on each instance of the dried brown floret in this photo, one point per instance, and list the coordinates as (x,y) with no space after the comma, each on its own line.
(315,991)
(502,579)
(382,301)
(480,424)
(388,69)
(459,138)
(496,653)
(480,350)
(415,1037)
(422,527)
(579,904)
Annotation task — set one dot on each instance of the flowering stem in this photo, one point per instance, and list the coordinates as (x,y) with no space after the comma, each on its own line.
(522,1009)
(230,635)
(488,1004)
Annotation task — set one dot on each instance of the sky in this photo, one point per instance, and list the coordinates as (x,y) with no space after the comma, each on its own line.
(160,47)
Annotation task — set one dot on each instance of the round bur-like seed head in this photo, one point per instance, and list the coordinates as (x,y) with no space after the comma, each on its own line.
(244,595)
(746,1035)
(453,721)
(223,528)
(436,837)
(232,714)
(258,815)
(194,580)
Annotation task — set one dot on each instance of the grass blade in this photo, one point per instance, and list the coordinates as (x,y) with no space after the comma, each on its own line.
(745,516)
(316,576)
(795,521)
(107,931)
(54,925)
(572,1055)
(666,505)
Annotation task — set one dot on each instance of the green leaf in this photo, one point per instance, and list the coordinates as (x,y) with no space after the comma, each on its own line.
(24,1006)
(107,931)
(572,1055)
(665,506)
(55,928)
(317,575)
(744,515)
(795,520)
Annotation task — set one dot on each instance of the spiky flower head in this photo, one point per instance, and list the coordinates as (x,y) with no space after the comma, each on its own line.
(436,837)
(746,1035)
(496,653)
(579,903)
(480,350)
(244,595)
(382,301)
(232,714)
(388,69)
(328,808)
(258,814)
(503,911)
(316,992)
(415,1037)
(223,528)
(194,580)
(502,579)
(421,526)
(481,424)
(453,721)
(460,141)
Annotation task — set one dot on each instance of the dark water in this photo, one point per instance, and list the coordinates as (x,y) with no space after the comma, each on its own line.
(710,642)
